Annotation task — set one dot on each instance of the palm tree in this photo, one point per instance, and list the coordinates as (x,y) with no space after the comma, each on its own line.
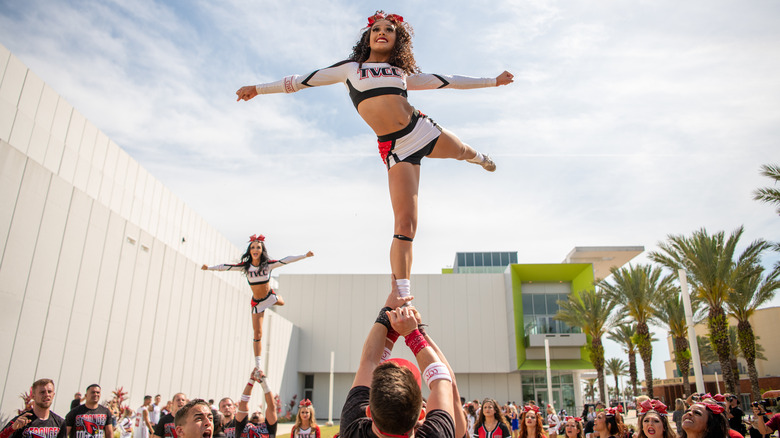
(749,294)
(713,273)
(591,311)
(706,353)
(624,334)
(671,313)
(590,389)
(616,367)
(639,289)
(770,195)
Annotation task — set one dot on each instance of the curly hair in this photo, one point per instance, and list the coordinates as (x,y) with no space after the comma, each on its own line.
(246,259)
(539,433)
(717,424)
(401,56)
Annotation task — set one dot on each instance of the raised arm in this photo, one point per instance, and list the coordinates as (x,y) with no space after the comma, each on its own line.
(243,404)
(273,264)
(434,371)
(326,76)
(378,340)
(429,81)
(461,422)
(222,267)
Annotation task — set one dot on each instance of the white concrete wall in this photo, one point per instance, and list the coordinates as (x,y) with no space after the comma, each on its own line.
(466,314)
(96,284)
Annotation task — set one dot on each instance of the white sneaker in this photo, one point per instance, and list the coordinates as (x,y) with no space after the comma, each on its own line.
(488,163)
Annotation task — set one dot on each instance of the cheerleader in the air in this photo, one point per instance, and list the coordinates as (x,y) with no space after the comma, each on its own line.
(257,267)
(378,74)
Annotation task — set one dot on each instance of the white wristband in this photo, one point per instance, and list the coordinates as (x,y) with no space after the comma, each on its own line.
(245,398)
(386,355)
(436,371)
(266,389)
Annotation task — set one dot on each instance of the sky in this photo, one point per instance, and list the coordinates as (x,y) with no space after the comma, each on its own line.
(627,122)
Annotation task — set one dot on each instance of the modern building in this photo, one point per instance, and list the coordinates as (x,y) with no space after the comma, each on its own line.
(491,326)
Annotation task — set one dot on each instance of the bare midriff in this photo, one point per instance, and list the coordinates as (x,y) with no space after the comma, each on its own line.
(259,291)
(386,114)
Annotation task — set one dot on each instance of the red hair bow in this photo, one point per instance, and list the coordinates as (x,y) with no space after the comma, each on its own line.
(305,403)
(720,398)
(577,419)
(653,405)
(527,408)
(717,409)
(255,237)
(612,411)
(380,15)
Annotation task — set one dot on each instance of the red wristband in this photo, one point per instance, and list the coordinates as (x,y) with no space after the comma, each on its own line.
(415,341)
(392,335)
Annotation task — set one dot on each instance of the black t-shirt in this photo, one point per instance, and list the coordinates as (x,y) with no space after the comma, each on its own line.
(588,427)
(165,428)
(262,430)
(735,422)
(235,428)
(89,423)
(52,427)
(355,423)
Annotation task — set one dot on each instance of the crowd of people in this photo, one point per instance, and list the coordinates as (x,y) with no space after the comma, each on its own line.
(386,401)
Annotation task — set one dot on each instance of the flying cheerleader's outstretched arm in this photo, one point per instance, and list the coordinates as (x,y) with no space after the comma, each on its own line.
(334,74)
(222,267)
(431,81)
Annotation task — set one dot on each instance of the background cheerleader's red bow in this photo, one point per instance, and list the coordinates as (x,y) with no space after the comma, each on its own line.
(577,419)
(718,409)
(305,403)
(531,408)
(259,238)
(720,398)
(653,405)
(382,16)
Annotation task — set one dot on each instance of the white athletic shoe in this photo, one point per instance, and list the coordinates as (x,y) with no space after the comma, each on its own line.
(488,163)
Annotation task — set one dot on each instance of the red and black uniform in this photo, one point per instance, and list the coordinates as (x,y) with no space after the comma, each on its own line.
(262,430)
(372,79)
(52,427)
(89,423)
(165,428)
(500,431)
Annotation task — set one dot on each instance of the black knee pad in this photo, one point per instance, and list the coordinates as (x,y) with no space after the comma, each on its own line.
(402,237)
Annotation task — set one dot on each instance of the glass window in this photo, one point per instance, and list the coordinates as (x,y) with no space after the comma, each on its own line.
(513,257)
(469,259)
(504,259)
(478,259)
(552,305)
(540,379)
(528,304)
(527,379)
(567,378)
(539,305)
(496,259)
(461,259)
